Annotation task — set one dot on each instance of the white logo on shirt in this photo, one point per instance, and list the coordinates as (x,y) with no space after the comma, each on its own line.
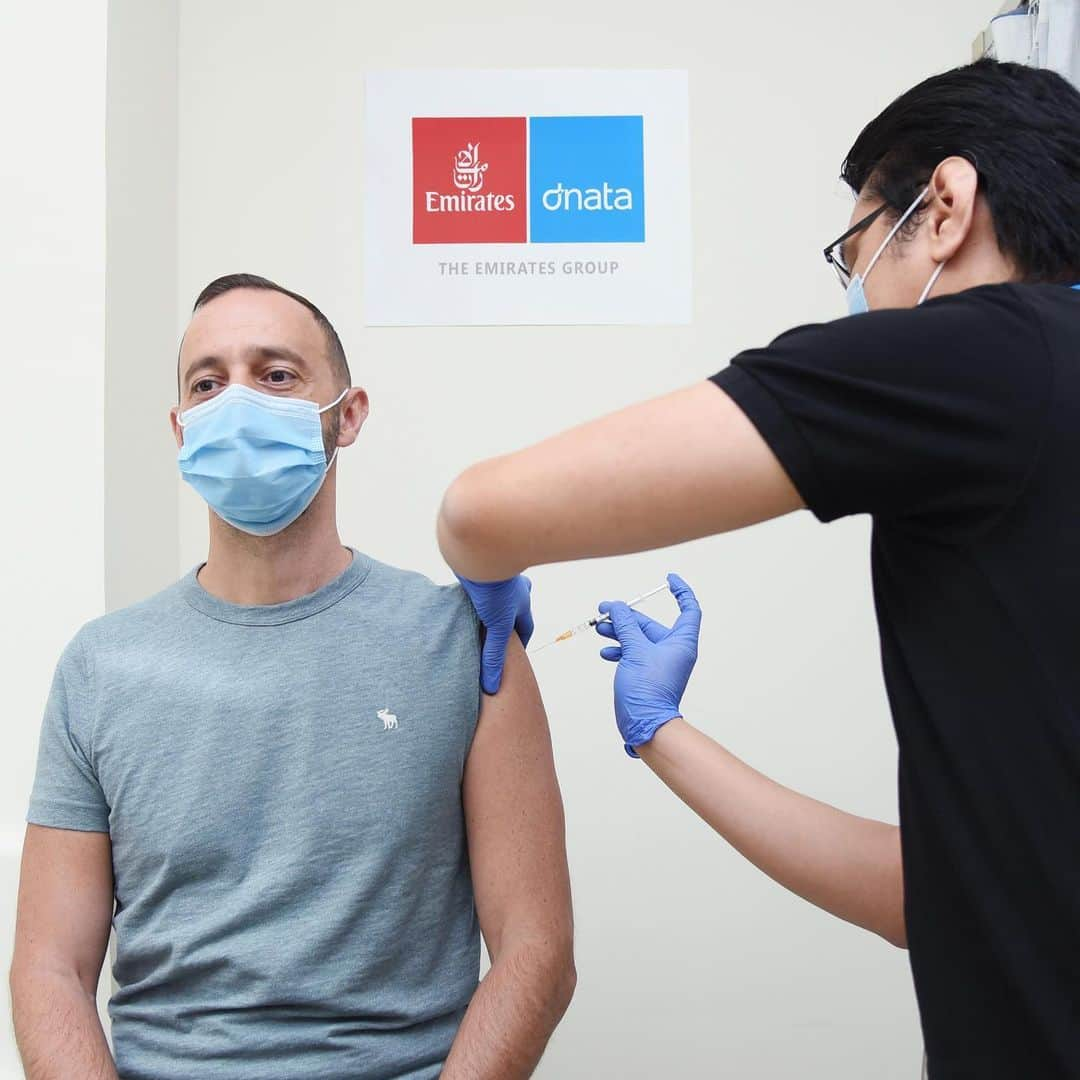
(389,720)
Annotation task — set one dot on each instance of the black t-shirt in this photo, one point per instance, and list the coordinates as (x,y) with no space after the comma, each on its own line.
(956,425)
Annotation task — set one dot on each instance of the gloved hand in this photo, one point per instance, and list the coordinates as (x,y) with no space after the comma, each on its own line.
(503,607)
(654,660)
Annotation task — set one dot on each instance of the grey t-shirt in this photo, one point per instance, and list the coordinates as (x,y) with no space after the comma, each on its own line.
(282,788)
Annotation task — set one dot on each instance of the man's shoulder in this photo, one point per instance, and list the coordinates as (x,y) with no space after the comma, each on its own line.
(413,593)
(133,621)
(433,625)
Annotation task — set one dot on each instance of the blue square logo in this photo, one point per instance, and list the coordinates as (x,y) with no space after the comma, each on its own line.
(586,180)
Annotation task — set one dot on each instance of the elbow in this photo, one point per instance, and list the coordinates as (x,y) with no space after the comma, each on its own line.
(549,969)
(566,983)
(18,975)
(462,518)
(472,525)
(563,971)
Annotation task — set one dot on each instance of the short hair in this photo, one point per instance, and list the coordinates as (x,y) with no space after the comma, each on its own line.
(1019,126)
(334,349)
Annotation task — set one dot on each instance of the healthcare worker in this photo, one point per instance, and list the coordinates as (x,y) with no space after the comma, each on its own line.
(947,408)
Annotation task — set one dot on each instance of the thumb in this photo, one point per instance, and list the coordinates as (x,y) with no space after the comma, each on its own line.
(689,620)
(492,659)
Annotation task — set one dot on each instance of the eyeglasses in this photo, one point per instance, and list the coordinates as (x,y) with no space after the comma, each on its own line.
(834,253)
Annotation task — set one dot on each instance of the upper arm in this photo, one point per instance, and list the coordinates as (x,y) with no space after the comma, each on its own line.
(674,468)
(929,416)
(65,903)
(514,818)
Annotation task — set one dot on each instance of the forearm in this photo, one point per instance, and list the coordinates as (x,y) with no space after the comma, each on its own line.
(57,1029)
(847,865)
(511,1016)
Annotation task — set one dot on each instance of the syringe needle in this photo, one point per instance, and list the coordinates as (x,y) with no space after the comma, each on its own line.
(594,620)
(562,637)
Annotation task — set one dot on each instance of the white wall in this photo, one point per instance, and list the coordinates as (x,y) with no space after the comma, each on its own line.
(141,514)
(87,297)
(691,963)
(52,307)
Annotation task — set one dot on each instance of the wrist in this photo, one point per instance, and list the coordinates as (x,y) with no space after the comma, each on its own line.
(644,739)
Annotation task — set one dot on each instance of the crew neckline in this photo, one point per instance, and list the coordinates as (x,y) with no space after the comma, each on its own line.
(300,607)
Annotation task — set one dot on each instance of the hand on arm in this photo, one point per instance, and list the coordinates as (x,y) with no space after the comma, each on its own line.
(504,607)
(847,865)
(61,934)
(517,851)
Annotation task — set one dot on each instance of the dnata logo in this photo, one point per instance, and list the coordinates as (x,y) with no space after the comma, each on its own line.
(560,198)
(585,177)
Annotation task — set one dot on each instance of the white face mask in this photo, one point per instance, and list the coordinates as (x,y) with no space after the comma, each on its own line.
(856,298)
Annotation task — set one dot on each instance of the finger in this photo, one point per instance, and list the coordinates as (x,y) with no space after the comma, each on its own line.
(605,629)
(689,609)
(492,660)
(528,582)
(611,652)
(524,625)
(626,626)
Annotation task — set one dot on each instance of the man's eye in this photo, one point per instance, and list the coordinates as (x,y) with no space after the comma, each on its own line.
(203,386)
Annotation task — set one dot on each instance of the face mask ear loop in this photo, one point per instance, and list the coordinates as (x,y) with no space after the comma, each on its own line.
(336,400)
(895,229)
(930,283)
(330,406)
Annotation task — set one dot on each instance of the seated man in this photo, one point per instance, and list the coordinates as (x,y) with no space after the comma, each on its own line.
(283,770)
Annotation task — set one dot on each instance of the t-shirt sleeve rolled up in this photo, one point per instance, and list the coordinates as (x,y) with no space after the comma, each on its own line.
(930,415)
(66,793)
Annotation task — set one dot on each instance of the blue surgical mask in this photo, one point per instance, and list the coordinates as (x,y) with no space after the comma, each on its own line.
(257,459)
(856,297)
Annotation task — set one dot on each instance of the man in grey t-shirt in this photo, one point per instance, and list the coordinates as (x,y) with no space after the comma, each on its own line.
(280,782)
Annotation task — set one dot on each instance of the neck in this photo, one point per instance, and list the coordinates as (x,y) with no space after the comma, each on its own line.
(245,569)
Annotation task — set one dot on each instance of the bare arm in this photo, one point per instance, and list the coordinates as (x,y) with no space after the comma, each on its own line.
(61,933)
(681,466)
(514,817)
(848,865)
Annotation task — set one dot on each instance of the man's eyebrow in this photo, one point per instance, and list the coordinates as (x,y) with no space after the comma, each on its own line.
(280,352)
(199,365)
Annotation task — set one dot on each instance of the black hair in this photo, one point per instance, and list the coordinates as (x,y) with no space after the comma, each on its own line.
(335,350)
(1019,127)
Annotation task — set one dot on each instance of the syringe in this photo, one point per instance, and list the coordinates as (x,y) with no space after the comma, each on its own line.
(567,634)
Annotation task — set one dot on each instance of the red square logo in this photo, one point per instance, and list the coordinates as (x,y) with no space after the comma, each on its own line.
(469,180)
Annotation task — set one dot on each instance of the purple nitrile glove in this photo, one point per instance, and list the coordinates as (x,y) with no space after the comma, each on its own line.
(503,607)
(655,662)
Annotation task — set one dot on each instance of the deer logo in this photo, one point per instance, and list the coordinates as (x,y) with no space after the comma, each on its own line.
(389,720)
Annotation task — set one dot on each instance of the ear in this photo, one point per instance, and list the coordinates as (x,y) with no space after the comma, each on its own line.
(354,411)
(953,189)
(178,431)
